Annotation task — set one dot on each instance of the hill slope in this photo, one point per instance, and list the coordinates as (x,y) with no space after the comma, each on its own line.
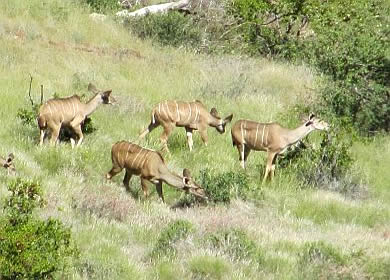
(58,44)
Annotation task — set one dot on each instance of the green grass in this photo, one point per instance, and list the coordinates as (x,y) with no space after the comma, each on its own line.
(115,231)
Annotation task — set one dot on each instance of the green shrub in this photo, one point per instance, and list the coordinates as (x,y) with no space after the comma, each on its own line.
(103,6)
(207,267)
(221,188)
(173,29)
(172,233)
(31,248)
(321,261)
(237,244)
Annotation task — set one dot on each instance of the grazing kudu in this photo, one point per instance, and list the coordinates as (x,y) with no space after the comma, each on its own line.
(7,163)
(270,137)
(190,115)
(70,112)
(150,166)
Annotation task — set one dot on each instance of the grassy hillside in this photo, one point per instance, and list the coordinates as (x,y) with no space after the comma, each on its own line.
(284,232)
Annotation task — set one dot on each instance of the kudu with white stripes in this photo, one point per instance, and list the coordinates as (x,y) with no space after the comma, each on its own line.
(150,166)
(190,115)
(270,137)
(70,112)
(7,163)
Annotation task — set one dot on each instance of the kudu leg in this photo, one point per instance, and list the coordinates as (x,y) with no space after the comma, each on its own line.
(190,142)
(114,171)
(144,185)
(55,132)
(268,168)
(164,136)
(159,191)
(79,133)
(150,127)
(241,151)
(42,137)
(126,180)
(203,135)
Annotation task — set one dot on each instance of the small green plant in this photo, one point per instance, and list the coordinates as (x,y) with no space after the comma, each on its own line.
(172,29)
(172,233)
(236,244)
(207,267)
(221,188)
(103,6)
(31,248)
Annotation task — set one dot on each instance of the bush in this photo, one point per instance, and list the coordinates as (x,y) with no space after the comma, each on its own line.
(172,29)
(30,248)
(172,233)
(221,188)
(236,243)
(207,267)
(103,6)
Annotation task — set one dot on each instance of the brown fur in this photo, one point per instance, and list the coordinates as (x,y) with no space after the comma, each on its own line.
(270,137)
(150,166)
(70,112)
(190,115)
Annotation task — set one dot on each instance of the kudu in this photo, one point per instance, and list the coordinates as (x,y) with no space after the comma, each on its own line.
(7,163)
(270,137)
(71,112)
(150,166)
(190,115)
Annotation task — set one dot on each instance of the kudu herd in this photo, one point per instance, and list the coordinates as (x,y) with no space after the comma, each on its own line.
(148,164)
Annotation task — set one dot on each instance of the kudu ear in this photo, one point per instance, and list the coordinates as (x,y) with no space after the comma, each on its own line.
(214,112)
(107,92)
(311,116)
(228,119)
(92,88)
(10,158)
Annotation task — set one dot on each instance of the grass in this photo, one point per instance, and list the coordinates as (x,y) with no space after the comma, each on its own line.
(57,43)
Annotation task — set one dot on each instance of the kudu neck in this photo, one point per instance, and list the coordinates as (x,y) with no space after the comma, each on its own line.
(299,133)
(92,104)
(213,121)
(172,179)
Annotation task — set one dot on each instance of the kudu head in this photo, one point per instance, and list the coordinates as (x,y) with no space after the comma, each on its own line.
(192,187)
(106,97)
(221,123)
(8,163)
(316,123)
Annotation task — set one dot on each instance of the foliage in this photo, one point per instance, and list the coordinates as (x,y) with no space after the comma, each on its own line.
(28,116)
(172,233)
(207,267)
(102,6)
(172,29)
(221,188)
(31,248)
(236,243)
(346,40)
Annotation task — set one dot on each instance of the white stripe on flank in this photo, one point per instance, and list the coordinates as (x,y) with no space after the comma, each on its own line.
(257,131)
(77,109)
(245,129)
(163,110)
(74,111)
(127,154)
(168,111)
(132,164)
(119,154)
(177,112)
(262,137)
(189,117)
(266,137)
(145,158)
(197,113)
(159,108)
(51,113)
(242,133)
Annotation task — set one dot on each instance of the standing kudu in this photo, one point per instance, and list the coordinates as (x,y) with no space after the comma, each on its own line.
(150,166)
(7,163)
(270,137)
(190,115)
(70,112)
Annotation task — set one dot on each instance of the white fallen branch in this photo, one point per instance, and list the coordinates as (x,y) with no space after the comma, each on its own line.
(154,9)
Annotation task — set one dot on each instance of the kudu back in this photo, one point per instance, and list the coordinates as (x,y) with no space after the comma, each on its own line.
(190,115)
(270,137)
(150,166)
(71,112)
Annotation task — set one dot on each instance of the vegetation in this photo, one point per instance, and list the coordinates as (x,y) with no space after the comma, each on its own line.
(325,215)
(31,248)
